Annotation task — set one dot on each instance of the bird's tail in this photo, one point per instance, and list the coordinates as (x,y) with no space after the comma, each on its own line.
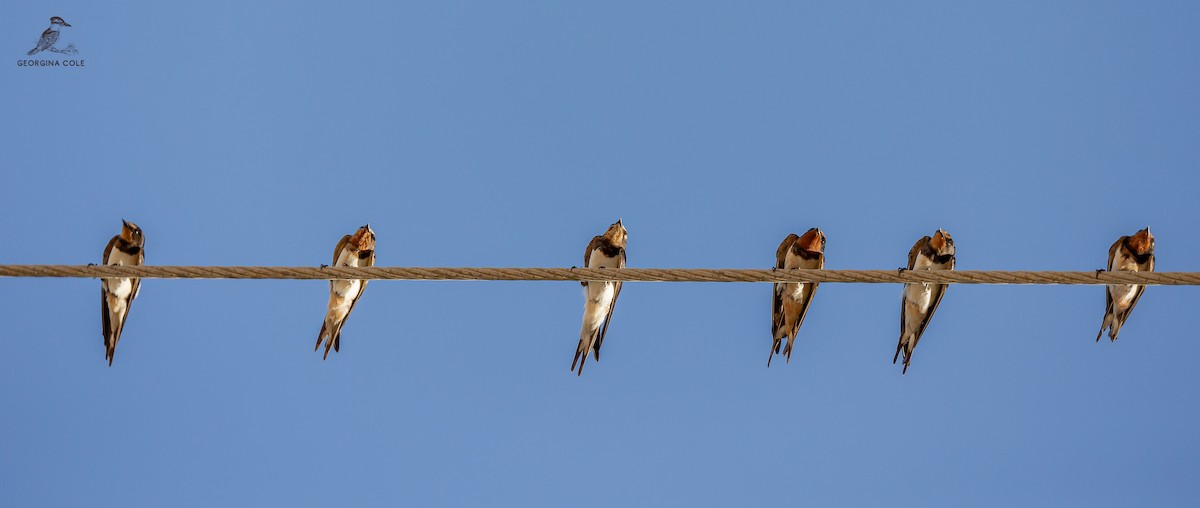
(777,335)
(329,336)
(787,350)
(334,334)
(321,335)
(331,342)
(1115,327)
(32,52)
(1107,322)
(110,345)
(586,337)
(907,349)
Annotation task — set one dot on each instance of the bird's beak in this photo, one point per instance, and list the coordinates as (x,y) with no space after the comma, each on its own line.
(125,223)
(65,23)
(619,222)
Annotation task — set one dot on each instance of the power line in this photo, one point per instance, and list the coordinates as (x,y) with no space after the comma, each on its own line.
(623,274)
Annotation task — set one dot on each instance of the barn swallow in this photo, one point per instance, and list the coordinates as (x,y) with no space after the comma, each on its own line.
(1131,254)
(604,251)
(117,294)
(351,251)
(919,300)
(790,300)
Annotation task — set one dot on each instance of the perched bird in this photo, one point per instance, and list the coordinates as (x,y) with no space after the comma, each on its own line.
(117,294)
(604,251)
(790,300)
(50,36)
(1130,254)
(919,301)
(352,251)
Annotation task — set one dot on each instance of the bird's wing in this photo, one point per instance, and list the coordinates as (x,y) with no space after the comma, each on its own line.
(587,254)
(777,294)
(136,284)
(916,248)
(807,295)
(900,342)
(781,252)
(362,286)
(1108,303)
(1138,293)
(776,309)
(592,245)
(370,261)
(337,251)
(112,244)
(1112,258)
(48,38)
(611,306)
(912,263)
(938,290)
(1112,251)
(105,321)
(105,312)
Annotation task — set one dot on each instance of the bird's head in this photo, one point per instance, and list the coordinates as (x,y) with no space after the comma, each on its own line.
(617,233)
(132,233)
(363,238)
(812,240)
(941,243)
(59,21)
(1142,242)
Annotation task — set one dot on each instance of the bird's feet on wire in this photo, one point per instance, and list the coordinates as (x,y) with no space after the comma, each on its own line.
(91,265)
(901,270)
(324,267)
(1099,271)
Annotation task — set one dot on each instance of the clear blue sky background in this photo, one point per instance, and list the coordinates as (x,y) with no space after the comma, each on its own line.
(508,134)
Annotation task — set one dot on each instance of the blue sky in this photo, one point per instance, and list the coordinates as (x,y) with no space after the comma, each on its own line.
(508,134)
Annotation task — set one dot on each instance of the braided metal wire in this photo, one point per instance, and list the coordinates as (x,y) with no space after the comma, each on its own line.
(624,274)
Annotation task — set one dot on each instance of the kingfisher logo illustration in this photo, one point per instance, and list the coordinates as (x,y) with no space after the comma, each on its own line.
(50,36)
(49,43)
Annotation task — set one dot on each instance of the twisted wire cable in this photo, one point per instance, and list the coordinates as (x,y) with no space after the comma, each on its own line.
(622,274)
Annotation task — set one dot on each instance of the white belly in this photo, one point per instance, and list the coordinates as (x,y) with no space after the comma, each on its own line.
(923,263)
(599,300)
(346,288)
(120,288)
(919,296)
(1122,294)
(597,259)
(116,257)
(795,290)
(600,294)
